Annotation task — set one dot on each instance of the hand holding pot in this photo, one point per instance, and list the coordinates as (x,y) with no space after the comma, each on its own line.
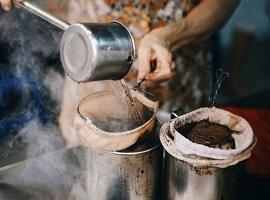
(154,49)
(6,4)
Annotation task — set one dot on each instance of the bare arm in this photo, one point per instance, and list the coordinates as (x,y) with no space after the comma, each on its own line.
(199,24)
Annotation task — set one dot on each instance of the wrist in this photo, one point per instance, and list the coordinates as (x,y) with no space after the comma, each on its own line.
(163,35)
(171,34)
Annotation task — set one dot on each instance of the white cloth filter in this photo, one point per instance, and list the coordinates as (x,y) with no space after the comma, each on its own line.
(242,133)
(200,155)
(103,104)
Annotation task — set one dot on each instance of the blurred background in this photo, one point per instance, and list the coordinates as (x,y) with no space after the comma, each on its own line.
(243,51)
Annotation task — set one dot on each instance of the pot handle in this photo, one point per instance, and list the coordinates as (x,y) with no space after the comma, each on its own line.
(42,14)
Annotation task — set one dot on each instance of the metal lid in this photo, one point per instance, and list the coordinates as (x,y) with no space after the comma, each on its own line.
(78,52)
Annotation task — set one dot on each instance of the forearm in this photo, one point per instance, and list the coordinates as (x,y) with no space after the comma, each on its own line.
(199,24)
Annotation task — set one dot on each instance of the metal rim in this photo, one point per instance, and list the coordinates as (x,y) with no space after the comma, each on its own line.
(85,33)
(128,153)
(153,148)
(131,37)
(135,153)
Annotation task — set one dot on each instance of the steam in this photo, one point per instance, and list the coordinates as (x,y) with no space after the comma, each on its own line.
(51,171)
(55,83)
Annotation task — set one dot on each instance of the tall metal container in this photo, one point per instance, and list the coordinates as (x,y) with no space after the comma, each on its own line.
(125,175)
(190,177)
(184,182)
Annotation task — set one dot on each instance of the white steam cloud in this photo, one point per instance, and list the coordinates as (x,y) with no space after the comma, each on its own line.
(51,171)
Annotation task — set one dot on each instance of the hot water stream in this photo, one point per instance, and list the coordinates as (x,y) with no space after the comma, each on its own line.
(135,112)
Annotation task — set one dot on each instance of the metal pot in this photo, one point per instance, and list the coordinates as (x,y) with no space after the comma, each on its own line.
(185,182)
(91,52)
(126,175)
(188,176)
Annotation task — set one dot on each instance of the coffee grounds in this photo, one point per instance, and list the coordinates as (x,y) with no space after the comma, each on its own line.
(208,134)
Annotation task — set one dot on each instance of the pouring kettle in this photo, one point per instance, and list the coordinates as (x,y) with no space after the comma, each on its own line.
(91,51)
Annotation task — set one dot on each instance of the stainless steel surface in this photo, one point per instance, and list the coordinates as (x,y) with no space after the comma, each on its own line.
(91,52)
(184,182)
(81,173)
(133,174)
(51,176)
(41,13)
(130,176)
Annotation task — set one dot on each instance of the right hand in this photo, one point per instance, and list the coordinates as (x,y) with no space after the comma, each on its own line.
(154,48)
(6,4)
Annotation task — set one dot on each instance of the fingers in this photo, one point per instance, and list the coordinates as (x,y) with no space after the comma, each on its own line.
(162,75)
(173,66)
(164,66)
(144,56)
(6,4)
(150,84)
(153,49)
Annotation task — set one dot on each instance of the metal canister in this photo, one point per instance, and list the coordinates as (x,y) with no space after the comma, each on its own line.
(190,177)
(91,52)
(125,175)
(185,182)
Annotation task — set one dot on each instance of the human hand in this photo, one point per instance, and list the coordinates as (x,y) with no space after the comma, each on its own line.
(154,49)
(6,4)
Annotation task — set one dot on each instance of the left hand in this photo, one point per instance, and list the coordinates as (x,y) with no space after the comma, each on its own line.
(6,4)
(153,49)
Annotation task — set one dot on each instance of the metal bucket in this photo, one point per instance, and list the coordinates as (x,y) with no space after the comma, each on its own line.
(184,182)
(126,175)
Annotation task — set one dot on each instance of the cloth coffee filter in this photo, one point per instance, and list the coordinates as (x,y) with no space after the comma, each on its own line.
(107,105)
(200,155)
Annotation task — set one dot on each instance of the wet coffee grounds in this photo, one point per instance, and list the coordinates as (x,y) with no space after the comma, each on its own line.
(208,134)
